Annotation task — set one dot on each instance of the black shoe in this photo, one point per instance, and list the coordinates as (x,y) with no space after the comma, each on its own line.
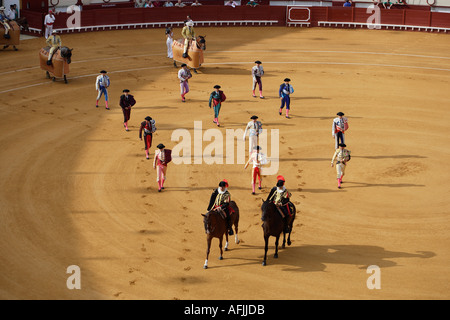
(185,55)
(49,62)
(7,36)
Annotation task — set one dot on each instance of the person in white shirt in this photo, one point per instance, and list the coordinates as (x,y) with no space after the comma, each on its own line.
(255,129)
(340,125)
(101,85)
(168,4)
(196,3)
(231,3)
(184,75)
(257,159)
(49,20)
(11,13)
(257,73)
(169,42)
(179,4)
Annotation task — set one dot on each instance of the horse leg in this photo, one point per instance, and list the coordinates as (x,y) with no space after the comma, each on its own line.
(276,247)
(236,228)
(47,74)
(220,246)
(208,242)
(284,241)
(266,246)
(226,241)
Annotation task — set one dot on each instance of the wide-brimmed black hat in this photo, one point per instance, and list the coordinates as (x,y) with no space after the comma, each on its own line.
(258,62)
(126,90)
(342,145)
(287,80)
(148,118)
(103,71)
(160,146)
(254,117)
(217,86)
(340,113)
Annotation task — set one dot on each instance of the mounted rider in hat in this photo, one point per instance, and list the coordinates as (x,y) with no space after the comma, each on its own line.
(220,201)
(188,34)
(280,196)
(5,22)
(54,42)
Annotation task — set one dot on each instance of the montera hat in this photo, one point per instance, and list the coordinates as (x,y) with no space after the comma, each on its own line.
(217,86)
(258,62)
(254,117)
(148,118)
(126,90)
(340,114)
(184,65)
(287,80)
(160,146)
(223,183)
(342,145)
(103,71)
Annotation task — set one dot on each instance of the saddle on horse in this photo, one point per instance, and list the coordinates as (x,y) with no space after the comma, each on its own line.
(287,212)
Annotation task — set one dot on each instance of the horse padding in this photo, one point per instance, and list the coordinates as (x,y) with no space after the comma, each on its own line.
(14,33)
(59,66)
(195,55)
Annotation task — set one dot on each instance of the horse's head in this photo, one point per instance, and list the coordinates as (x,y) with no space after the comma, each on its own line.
(265,209)
(201,42)
(66,53)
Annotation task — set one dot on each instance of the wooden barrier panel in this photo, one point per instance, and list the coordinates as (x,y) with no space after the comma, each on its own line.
(340,14)
(392,16)
(418,18)
(440,19)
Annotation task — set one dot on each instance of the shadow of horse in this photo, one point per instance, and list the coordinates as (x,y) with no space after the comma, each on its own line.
(316,258)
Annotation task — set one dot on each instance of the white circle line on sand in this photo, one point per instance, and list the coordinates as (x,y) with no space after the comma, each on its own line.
(230,63)
(243,51)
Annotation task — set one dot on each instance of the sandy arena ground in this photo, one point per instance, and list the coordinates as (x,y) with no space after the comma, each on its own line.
(76,188)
